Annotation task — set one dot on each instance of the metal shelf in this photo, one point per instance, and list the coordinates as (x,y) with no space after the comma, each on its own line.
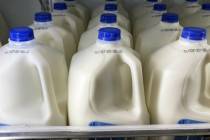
(29,132)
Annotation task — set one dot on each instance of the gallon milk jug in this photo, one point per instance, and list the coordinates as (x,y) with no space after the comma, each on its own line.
(110,89)
(101,9)
(149,19)
(78,10)
(111,8)
(189,7)
(68,21)
(90,37)
(33,89)
(200,18)
(177,80)
(142,9)
(167,31)
(4,30)
(47,33)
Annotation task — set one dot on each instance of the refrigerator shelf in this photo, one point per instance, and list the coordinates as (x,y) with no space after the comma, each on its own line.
(36,132)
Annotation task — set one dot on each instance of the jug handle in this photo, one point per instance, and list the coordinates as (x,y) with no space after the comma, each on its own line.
(73,27)
(47,87)
(55,37)
(138,98)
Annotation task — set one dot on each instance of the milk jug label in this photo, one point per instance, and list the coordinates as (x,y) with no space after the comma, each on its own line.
(188,121)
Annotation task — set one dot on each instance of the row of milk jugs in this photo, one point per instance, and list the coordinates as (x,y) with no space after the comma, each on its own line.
(38,83)
(105,81)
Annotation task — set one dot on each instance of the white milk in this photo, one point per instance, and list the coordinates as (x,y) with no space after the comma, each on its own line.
(200,18)
(151,40)
(4,30)
(33,82)
(143,8)
(189,7)
(90,37)
(108,5)
(177,80)
(47,33)
(78,10)
(150,19)
(110,89)
(68,21)
(122,20)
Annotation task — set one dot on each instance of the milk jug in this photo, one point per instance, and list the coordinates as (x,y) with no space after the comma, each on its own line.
(4,30)
(108,3)
(78,10)
(33,82)
(200,18)
(89,37)
(149,19)
(68,21)
(110,89)
(177,80)
(151,40)
(142,9)
(47,33)
(189,7)
(111,8)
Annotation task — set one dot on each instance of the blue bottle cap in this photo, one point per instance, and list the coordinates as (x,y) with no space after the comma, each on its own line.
(206,6)
(159,7)
(43,17)
(152,0)
(170,18)
(21,34)
(194,33)
(110,7)
(109,34)
(108,18)
(191,0)
(60,6)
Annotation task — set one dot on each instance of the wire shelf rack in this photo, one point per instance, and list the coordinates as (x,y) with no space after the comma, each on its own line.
(41,132)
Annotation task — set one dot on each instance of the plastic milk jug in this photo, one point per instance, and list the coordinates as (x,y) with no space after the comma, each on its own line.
(4,30)
(142,9)
(189,7)
(90,37)
(178,75)
(110,89)
(200,18)
(111,8)
(33,82)
(68,21)
(78,10)
(101,8)
(181,68)
(47,33)
(151,40)
(150,19)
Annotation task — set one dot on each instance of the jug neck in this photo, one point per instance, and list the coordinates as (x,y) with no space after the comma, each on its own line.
(176,24)
(60,11)
(43,24)
(107,44)
(101,25)
(193,43)
(25,44)
(110,12)
(158,12)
